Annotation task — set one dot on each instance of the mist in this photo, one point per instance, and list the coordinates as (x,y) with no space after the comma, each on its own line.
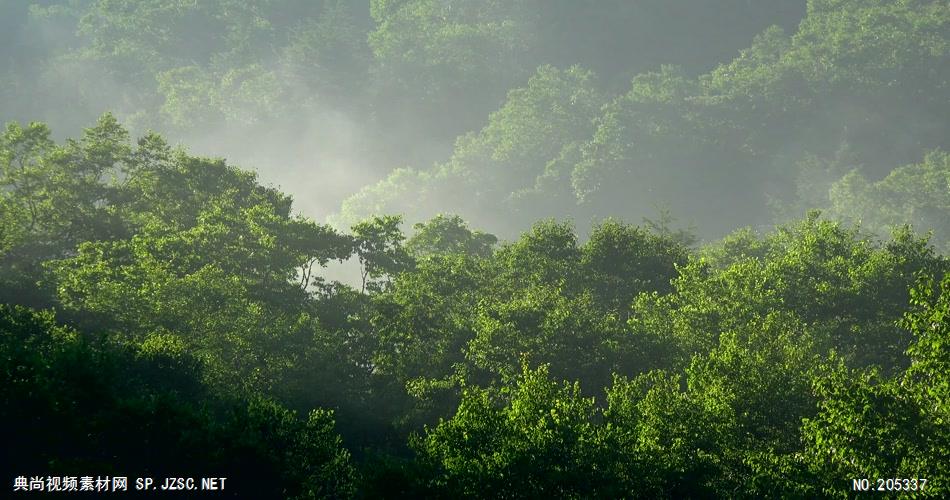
(333,111)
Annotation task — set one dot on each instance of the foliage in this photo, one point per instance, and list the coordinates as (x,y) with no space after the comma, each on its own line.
(164,312)
(914,194)
(773,128)
(513,153)
(449,235)
(378,245)
(536,443)
(73,402)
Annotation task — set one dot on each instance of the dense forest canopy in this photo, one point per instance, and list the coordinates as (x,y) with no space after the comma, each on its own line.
(599,249)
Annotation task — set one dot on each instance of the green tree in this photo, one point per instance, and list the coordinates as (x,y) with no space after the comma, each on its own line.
(378,245)
(542,324)
(420,327)
(447,235)
(851,290)
(910,410)
(431,52)
(53,198)
(509,164)
(621,261)
(533,438)
(914,194)
(70,402)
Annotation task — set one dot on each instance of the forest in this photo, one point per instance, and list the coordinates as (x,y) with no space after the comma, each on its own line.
(476,248)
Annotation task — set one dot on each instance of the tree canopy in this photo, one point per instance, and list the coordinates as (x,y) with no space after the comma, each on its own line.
(565,248)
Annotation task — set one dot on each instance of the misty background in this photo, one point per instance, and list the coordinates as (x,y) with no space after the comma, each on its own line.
(720,114)
(325,97)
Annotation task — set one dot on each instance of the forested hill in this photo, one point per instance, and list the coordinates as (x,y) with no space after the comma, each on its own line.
(814,117)
(726,113)
(327,96)
(164,313)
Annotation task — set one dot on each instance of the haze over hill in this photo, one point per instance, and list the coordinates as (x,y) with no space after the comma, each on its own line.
(324,98)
